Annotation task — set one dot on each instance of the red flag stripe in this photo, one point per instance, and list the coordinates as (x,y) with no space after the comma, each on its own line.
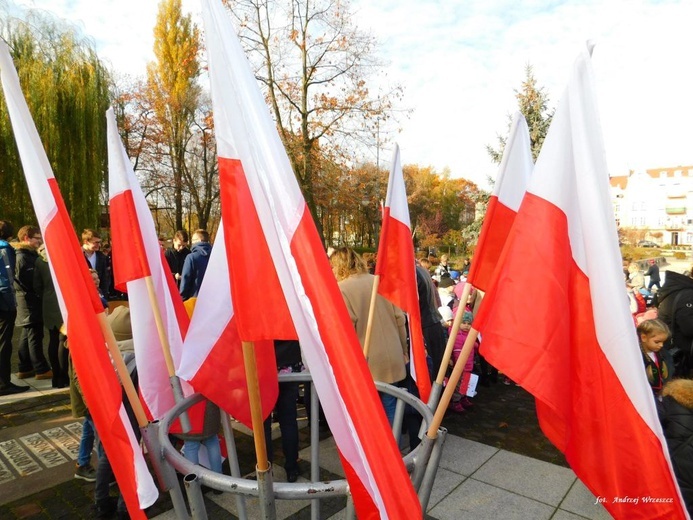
(582,405)
(494,231)
(129,258)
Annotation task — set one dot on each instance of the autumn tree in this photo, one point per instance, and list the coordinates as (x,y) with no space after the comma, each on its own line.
(438,204)
(314,65)
(67,89)
(174,91)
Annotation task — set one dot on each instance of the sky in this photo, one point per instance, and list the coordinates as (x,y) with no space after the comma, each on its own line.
(461,61)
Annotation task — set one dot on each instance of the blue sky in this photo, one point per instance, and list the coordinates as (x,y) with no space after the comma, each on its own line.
(460,61)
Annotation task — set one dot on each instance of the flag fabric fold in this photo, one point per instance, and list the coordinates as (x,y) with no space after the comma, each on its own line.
(137,255)
(79,303)
(248,139)
(212,359)
(511,183)
(575,347)
(397,270)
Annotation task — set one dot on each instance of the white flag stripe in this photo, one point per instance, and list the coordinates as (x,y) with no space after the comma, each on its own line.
(396,198)
(516,165)
(275,189)
(592,229)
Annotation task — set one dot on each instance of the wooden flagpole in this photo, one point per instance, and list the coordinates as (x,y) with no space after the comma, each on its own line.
(452,334)
(371,315)
(253,384)
(122,370)
(452,384)
(166,349)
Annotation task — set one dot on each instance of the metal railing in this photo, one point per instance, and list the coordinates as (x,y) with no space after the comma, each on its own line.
(421,463)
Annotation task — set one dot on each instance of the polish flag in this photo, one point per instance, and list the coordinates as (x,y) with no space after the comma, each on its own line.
(556,319)
(511,184)
(79,304)
(136,256)
(212,359)
(248,143)
(397,270)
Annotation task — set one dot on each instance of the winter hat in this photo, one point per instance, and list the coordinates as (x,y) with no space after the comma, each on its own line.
(119,320)
(467,317)
(455,275)
(446,282)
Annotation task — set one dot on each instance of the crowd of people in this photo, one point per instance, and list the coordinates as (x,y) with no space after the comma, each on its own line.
(663,315)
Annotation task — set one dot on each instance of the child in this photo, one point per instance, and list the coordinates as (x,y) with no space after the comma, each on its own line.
(460,401)
(658,364)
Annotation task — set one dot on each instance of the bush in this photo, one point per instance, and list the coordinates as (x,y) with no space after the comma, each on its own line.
(680,255)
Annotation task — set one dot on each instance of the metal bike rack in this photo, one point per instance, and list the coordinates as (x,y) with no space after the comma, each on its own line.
(421,463)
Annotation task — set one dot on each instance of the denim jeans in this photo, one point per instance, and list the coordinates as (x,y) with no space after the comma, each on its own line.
(191,451)
(86,443)
(389,404)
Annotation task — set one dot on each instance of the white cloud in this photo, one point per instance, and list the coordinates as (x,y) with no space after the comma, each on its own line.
(460,61)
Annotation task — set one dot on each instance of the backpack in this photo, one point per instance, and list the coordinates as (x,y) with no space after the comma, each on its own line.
(8,301)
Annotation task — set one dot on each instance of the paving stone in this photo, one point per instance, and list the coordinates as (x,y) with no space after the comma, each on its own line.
(463,456)
(481,501)
(532,478)
(581,501)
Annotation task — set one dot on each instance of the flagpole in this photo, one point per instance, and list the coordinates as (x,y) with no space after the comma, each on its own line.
(122,370)
(371,315)
(166,349)
(452,382)
(454,329)
(249,361)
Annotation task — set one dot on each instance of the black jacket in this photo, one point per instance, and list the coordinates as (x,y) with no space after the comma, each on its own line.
(682,315)
(676,415)
(103,269)
(28,301)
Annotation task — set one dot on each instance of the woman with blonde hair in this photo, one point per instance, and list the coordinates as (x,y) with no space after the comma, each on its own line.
(387,354)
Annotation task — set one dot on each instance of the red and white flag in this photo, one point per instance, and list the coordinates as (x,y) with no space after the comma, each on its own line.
(574,347)
(136,256)
(252,156)
(511,184)
(397,269)
(212,359)
(80,304)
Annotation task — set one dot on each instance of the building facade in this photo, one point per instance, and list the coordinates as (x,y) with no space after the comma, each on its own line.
(658,202)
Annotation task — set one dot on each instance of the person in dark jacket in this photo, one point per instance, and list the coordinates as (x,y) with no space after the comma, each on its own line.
(195,264)
(52,320)
(653,273)
(434,334)
(8,310)
(91,247)
(675,308)
(32,361)
(676,415)
(176,255)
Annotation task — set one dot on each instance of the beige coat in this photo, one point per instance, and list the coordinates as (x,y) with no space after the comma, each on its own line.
(388,348)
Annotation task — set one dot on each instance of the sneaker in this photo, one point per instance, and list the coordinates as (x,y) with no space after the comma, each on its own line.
(86,472)
(466,402)
(507,381)
(26,375)
(45,375)
(457,407)
(11,388)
